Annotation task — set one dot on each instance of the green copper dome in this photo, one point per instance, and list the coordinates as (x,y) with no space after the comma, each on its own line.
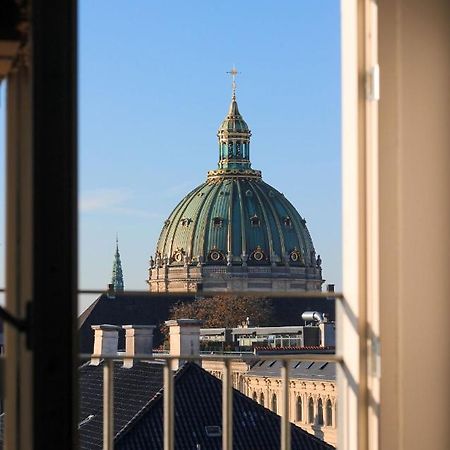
(234,219)
(238,220)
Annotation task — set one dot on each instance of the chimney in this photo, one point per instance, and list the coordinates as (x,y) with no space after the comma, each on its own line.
(110,293)
(106,339)
(184,338)
(138,341)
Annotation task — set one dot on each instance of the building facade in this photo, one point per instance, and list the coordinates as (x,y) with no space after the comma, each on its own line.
(234,232)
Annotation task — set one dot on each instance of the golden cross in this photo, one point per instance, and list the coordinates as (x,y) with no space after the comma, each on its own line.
(233,72)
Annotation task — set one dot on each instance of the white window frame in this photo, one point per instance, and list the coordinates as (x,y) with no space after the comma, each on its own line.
(357,313)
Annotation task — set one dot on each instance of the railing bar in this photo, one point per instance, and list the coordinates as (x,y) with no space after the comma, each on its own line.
(168,407)
(108,404)
(285,423)
(166,357)
(270,294)
(227,407)
(306,294)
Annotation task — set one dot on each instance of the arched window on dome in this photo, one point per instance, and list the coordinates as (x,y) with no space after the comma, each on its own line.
(217,222)
(255,221)
(329,413)
(310,410)
(261,399)
(320,412)
(287,222)
(299,415)
(274,405)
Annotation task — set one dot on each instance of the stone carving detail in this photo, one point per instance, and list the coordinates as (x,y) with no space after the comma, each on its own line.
(319,261)
(244,258)
(158,260)
(229,259)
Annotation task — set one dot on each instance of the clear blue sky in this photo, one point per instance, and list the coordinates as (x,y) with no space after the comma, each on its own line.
(153,90)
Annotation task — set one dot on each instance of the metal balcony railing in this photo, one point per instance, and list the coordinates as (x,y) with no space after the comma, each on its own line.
(227,390)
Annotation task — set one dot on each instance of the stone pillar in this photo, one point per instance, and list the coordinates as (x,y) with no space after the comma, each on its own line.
(184,338)
(106,339)
(138,341)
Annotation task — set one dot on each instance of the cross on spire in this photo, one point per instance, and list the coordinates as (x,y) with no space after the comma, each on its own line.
(233,72)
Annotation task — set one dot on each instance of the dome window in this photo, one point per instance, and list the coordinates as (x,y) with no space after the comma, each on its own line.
(249,193)
(218,222)
(178,255)
(216,255)
(287,222)
(258,255)
(296,256)
(185,222)
(255,221)
(166,223)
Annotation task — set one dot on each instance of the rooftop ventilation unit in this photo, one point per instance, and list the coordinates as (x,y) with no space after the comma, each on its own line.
(313,316)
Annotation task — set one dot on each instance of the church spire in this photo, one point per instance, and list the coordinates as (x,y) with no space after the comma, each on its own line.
(117,275)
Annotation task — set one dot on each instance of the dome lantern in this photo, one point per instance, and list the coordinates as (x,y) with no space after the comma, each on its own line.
(234,136)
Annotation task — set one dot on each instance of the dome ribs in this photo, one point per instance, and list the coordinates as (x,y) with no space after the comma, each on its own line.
(230,221)
(266,222)
(197,221)
(276,220)
(175,221)
(207,223)
(241,208)
(304,247)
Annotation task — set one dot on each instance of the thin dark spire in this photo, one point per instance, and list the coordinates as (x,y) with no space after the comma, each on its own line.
(117,274)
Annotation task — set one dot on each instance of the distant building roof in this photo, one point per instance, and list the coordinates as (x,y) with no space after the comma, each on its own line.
(311,370)
(154,309)
(125,309)
(198,402)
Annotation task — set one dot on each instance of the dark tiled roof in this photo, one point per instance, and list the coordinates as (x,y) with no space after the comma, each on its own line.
(198,404)
(133,388)
(312,370)
(138,412)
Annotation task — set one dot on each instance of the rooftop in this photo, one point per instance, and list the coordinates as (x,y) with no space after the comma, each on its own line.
(138,398)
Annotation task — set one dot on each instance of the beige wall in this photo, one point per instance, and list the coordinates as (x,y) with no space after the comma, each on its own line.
(414,174)
(298,388)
